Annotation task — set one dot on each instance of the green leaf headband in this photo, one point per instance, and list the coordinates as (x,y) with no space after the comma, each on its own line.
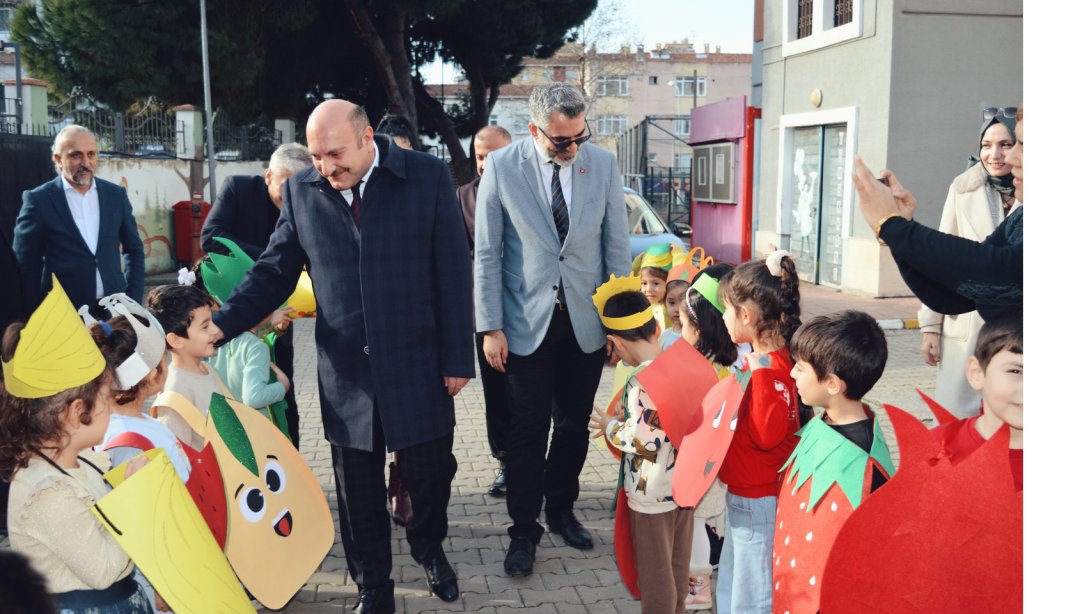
(222,274)
(708,287)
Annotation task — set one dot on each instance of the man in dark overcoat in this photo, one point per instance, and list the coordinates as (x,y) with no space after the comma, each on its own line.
(380,231)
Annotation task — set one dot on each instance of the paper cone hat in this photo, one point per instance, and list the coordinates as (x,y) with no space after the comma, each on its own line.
(222,274)
(302,299)
(55,351)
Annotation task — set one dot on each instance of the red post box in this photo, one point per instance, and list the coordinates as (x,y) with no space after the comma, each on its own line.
(189,218)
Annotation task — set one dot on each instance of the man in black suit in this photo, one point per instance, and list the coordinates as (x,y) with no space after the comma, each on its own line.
(72,227)
(380,229)
(496,409)
(246,211)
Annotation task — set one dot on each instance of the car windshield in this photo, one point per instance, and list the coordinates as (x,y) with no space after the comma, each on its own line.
(641,218)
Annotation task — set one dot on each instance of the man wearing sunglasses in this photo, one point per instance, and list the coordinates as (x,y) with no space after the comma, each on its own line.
(551,225)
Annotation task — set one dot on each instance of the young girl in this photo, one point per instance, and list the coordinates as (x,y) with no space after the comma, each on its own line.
(52,409)
(674,298)
(134,347)
(760,306)
(653,266)
(703,328)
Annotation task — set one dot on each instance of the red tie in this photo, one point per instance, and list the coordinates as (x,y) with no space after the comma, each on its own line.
(357,207)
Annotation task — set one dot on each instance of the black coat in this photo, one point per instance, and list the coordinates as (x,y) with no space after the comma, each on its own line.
(952,275)
(394,301)
(244,213)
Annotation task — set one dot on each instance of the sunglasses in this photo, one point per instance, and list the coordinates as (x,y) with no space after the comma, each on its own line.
(991,112)
(564,143)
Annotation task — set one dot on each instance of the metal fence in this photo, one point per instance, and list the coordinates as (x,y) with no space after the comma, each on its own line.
(148,131)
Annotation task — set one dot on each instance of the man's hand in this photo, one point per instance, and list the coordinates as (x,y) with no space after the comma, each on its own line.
(454,384)
(878,201)
(495,349)
(931,348)
(599,419)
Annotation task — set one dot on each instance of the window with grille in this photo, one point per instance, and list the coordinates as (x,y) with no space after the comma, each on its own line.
(843,12)
(612,86)
(682,126)
(682,86)
(805,18)
(612,124)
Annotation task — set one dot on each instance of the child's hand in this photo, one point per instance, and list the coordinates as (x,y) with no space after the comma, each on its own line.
(280,319)
(281,377)
(757,361)
(599,419)
(134,465)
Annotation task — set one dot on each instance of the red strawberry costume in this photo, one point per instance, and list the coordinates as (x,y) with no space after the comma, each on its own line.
(825,479)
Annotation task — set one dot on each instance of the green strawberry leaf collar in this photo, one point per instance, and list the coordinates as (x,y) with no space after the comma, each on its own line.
(829,458)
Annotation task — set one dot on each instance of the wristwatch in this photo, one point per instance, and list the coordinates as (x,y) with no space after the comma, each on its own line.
(877,227)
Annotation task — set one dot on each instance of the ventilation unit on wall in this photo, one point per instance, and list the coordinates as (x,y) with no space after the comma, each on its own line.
(713,173)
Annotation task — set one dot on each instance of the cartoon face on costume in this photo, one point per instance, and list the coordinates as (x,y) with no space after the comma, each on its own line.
(278,518)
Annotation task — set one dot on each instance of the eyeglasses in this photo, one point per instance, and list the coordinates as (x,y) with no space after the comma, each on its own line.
(565,142)
(991,112)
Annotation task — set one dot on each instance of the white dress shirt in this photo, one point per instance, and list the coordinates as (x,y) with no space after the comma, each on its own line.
(347,194)
(86,214)
(544,168)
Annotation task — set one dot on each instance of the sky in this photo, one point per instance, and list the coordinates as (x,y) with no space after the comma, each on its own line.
(727,23)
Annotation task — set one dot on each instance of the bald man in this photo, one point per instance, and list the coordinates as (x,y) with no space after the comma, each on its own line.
(496,410)
(394,331)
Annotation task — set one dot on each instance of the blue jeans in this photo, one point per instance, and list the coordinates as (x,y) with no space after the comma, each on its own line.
(744,571)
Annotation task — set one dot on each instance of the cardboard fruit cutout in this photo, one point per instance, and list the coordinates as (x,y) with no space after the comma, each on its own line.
(677,380)
(302,299)
(278,516)
(939,536)
(155,521)
(705,448)
(825,479)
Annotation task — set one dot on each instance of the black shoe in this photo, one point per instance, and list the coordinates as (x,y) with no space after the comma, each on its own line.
(375,601)
(441,579)
(570,529)
(520,556)
(499,486)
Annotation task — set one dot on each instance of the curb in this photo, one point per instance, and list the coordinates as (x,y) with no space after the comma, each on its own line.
(908,324)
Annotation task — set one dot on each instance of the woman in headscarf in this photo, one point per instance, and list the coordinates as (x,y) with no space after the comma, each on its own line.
(948,273)
(979,200)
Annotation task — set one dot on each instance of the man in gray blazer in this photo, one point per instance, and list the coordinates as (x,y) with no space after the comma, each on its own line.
(551,225)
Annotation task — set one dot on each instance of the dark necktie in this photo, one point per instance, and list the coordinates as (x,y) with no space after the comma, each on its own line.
(559,206)
(357,206)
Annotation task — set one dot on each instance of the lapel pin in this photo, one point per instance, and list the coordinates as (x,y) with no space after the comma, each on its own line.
(582,171)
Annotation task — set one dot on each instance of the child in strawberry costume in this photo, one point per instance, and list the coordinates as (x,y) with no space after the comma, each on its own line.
(947,533)
(841,458)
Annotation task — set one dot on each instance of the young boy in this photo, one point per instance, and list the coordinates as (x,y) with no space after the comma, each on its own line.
(661,532)
(842,456)
(185,313)
(996,370)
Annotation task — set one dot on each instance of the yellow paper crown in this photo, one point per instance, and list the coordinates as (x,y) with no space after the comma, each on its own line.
(55,351)
(611,288)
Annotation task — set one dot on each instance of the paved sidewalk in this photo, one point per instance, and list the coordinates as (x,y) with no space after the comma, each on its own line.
(566,580)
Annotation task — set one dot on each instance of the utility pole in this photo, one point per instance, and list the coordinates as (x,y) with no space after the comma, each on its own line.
(208,104)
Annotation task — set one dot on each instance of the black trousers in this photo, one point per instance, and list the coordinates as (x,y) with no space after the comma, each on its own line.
(285,357)
(496,406)
(555,384)
(427,470)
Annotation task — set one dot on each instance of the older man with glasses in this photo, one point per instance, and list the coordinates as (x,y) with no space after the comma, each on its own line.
(551,225)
